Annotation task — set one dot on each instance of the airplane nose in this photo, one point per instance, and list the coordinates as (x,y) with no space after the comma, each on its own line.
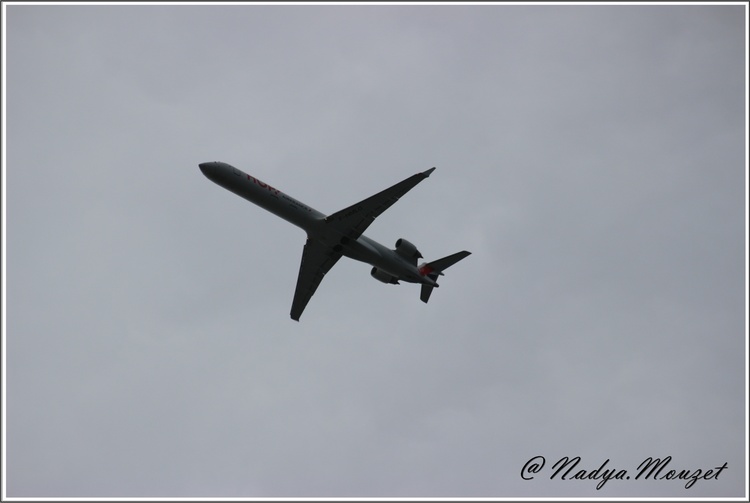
(207,168)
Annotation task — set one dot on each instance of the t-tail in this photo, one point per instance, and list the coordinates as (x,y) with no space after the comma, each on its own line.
(435,269)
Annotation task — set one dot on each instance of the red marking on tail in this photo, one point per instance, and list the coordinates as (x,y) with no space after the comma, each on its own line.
(425,270)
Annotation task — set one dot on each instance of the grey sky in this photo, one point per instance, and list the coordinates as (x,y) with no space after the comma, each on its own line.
(591,158)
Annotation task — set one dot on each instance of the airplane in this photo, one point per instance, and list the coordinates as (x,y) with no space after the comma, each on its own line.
(338,234)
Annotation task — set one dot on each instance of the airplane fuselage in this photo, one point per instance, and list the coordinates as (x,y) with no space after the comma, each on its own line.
(313,222)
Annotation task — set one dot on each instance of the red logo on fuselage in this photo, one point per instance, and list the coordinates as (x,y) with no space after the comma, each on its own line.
(263,185)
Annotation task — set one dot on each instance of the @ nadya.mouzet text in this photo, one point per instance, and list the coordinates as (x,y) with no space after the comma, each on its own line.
(650,469)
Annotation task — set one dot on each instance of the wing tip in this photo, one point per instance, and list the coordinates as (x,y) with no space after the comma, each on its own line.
(428,172)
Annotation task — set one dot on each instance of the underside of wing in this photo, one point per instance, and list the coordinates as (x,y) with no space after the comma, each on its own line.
(353,221)
(317,260)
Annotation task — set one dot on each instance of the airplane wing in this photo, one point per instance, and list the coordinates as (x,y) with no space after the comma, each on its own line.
(353,221)
(317,260)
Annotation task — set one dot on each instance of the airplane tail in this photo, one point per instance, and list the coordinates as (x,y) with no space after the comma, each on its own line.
(435,269)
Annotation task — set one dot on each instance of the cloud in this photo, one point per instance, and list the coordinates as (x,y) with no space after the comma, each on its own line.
(591,159)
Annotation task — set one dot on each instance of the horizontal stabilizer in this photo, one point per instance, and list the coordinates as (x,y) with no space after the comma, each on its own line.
(435,269)
(444,263)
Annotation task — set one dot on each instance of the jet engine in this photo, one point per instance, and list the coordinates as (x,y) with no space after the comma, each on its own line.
(383,276)
(407,250)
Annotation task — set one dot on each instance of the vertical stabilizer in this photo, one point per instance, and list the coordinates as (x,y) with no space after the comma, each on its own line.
(435,269)
(426,291)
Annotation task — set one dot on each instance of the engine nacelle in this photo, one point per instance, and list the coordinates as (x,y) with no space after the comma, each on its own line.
(407,250)
(383,276)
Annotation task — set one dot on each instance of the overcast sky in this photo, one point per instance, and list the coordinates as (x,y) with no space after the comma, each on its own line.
(590,157)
